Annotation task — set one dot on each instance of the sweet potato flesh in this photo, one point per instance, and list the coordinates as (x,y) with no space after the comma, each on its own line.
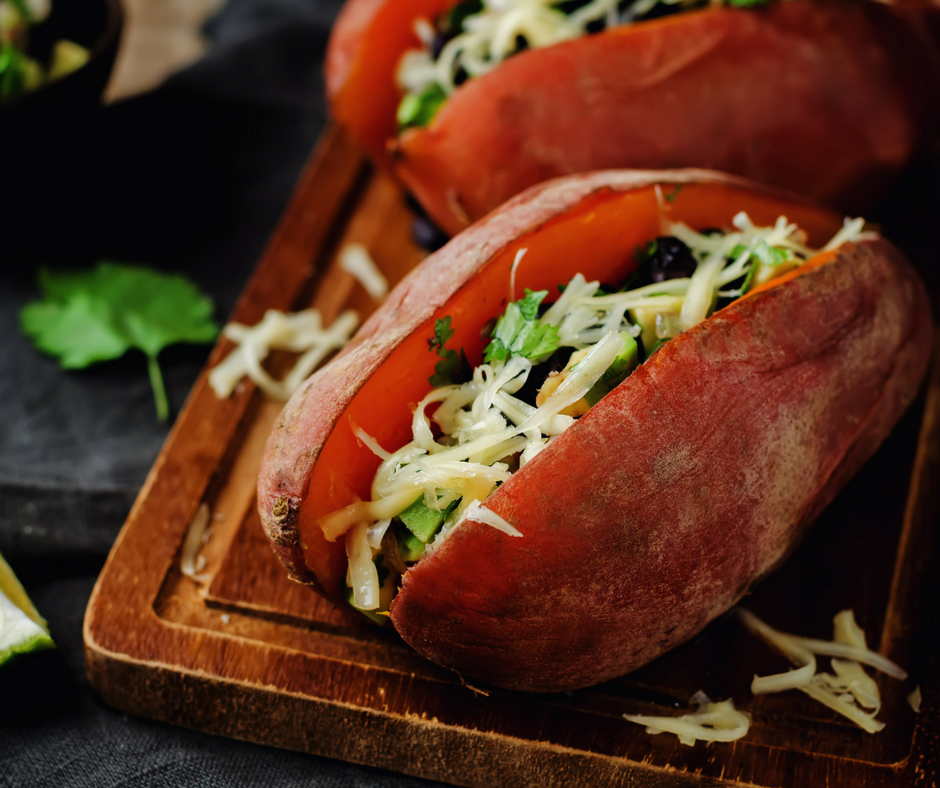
(597,239)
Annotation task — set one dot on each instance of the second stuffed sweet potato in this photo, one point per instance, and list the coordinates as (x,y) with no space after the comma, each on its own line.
(827,99)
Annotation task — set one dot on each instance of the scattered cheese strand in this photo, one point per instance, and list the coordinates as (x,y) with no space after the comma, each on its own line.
(915,700)
(480,514)
(846,691)
(196,537)
(712,722)
(355,260)
(363,575)
(301,332)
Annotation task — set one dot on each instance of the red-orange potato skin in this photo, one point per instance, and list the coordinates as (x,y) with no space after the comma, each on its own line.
(657,510)
(827,99)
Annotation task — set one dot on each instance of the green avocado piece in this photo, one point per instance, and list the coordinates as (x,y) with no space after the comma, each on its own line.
(422,521)
(410,547)
(419,109)
(625,362)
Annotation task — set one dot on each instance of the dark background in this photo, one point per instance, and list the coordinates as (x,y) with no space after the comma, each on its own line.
(191,177)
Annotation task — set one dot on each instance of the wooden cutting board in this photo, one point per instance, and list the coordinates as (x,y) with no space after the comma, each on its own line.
(249,654)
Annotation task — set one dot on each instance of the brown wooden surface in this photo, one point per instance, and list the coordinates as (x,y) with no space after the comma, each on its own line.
(252,655)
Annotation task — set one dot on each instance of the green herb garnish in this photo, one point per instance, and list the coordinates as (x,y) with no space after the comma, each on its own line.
(99,315)
(765,253)
(519,332)
(678,187)
(453,367)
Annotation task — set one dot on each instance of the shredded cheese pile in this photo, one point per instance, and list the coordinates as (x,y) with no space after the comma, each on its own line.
(711,722)
(849,690)
(301,332)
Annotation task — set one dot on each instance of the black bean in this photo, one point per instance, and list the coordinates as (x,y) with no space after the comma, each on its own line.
(427,235)
(669,258)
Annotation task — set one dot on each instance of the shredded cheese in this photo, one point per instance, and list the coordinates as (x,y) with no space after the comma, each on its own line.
(712,722)
(849,689)
(191,563)
(363,575)
(301,332)
(915,699)
(356,260)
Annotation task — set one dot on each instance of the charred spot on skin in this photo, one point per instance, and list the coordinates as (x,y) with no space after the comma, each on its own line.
(281,509)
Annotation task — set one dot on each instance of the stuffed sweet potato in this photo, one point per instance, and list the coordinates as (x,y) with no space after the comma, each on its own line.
(828,99)
(639,493)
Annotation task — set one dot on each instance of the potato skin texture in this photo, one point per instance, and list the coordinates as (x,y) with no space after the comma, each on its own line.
(826,99)
(660,508)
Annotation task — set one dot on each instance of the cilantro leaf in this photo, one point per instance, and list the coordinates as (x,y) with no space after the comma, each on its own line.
(677,189)
(519,333)
(765,253)
(453,367)
(97,315)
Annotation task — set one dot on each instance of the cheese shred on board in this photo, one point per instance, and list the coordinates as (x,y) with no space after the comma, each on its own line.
(545,366)
(848,690)
(355,259)
(711,722)
(301,332)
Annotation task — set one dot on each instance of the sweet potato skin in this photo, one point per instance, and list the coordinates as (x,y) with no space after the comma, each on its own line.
(825,98)
(691,481)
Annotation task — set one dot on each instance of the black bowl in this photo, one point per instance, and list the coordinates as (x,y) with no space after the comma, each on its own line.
(95,25)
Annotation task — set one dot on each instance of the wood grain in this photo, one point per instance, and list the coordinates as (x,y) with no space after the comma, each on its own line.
(251,654)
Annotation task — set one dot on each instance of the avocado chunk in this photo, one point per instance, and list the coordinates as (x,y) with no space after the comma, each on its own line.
(625,362)
(410,547)
(419,109)
(422,521)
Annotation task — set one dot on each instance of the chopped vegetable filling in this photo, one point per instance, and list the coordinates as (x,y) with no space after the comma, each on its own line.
(545,366)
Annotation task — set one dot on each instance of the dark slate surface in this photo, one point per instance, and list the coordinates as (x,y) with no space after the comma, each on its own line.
(191,177)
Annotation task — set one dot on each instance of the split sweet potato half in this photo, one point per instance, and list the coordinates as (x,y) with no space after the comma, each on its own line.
(661,506)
